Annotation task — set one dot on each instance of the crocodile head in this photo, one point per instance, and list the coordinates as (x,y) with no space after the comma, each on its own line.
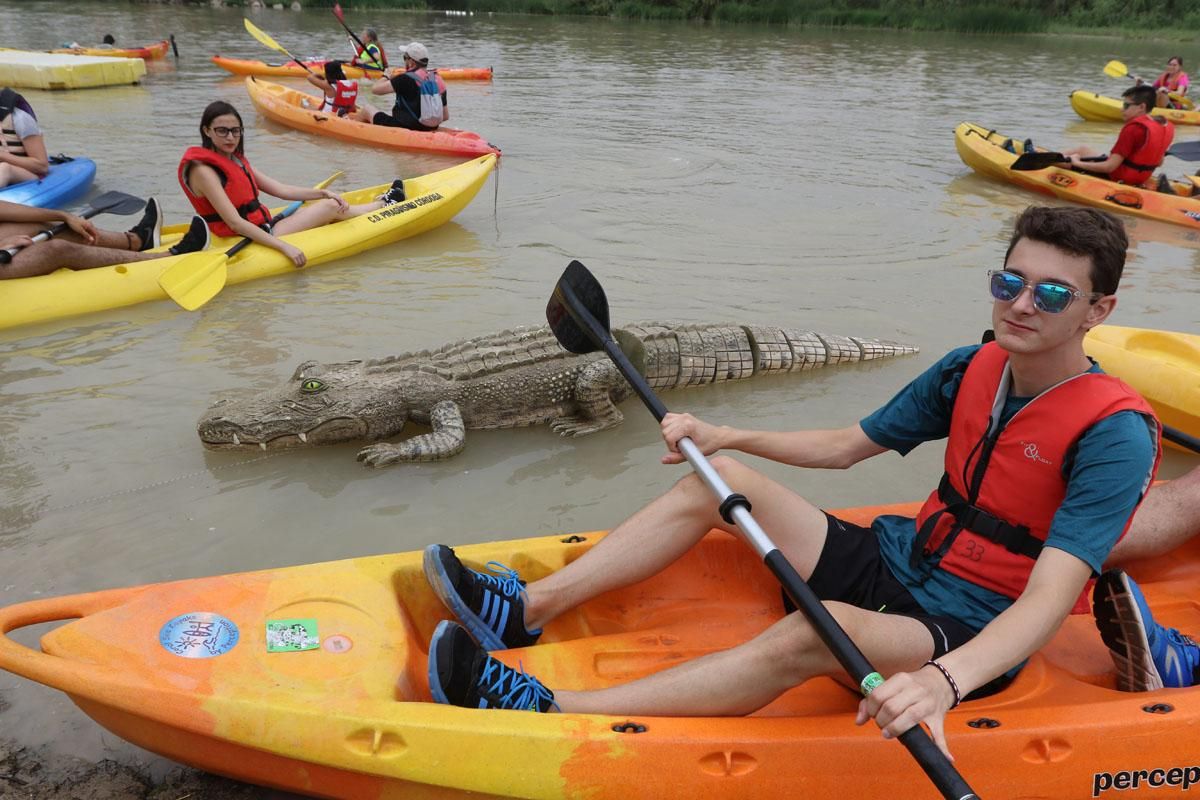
(320,404)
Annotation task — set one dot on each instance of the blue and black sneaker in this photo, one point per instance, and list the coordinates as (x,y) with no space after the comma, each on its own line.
(492,607)
(461,673)
(1147,655)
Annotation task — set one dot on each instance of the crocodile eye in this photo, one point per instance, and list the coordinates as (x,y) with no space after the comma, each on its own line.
(312,386)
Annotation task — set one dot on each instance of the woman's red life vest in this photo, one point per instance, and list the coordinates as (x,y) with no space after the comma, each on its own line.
(1170,82)
(240,187)
(345,94)
(987,521)
(1141,163)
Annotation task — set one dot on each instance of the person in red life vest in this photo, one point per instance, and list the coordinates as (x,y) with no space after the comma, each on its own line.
(421,101)
(22,148)
(1141,145)
(223,187)
(371,56)
(1172,82)
(340,93)
(1046,460)
(83,245)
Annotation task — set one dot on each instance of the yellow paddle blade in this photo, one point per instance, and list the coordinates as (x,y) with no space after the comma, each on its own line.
(325,183)
(1113,69)
(194,279)
(262,36)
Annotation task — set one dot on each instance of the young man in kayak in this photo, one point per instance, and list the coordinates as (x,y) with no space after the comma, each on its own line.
(83,245)
(370,56)
(1046,460)
(421,102)
(1141,146)
(22,149)
(219,182)
(1149,655)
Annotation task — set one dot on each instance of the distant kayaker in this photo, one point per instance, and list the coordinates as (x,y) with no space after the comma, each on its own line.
(946,604)
(1149,655)
(340,93)
(223,188)
(83,245)
(1141,145)
(1173,81)
(371,55)
(421,101)
(22,149)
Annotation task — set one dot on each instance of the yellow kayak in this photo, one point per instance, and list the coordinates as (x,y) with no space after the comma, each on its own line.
(199,671)
(1163,366)
(432,200)
(1098,108)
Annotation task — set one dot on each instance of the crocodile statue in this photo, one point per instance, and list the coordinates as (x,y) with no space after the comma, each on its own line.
(506,380)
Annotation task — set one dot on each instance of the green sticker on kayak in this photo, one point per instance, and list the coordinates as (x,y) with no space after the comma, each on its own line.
(291,635)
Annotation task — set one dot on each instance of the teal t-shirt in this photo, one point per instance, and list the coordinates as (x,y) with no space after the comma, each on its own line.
(1107,475)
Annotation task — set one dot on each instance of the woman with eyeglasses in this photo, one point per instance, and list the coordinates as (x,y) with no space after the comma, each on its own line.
(223,187)
(1141,145)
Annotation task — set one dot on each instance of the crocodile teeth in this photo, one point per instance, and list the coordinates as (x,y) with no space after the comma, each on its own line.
(236,440)
(263,445)
(303,437)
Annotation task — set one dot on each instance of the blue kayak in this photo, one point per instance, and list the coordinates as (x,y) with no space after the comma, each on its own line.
(69,179)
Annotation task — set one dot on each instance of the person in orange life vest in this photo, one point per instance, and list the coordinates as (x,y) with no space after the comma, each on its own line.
(223,187)
(83,245)
(1173,81)
(372,56)
(1057,456)
(1141,145)
(340,93)
(22,149)
(421,101)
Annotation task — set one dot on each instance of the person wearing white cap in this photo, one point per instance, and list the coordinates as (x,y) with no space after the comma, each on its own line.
(421,103)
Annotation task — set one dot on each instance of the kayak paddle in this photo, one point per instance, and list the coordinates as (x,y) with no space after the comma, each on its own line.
(262,37)
(174,47)
(337,12)
(1180,438)
(578,315)
(1117,69)
(1188,151)
(1027,162)
(107,203)
(197,277)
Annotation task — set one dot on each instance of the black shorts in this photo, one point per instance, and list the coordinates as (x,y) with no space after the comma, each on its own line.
(851,570)
(388,121)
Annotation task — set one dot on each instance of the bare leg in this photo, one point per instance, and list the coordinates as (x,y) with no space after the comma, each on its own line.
(660,533)
(366,113)
(1083,152)
(110,239)
(43,258)
(745,678)
(10,174)
(1169,516)
(322,212)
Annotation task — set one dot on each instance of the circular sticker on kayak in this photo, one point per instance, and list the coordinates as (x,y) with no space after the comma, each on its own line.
(201,634)
(336,644)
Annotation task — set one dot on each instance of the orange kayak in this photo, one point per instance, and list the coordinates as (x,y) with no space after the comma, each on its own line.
(183,669)
(983,150)
(298,110)
(157,50)
(292,69)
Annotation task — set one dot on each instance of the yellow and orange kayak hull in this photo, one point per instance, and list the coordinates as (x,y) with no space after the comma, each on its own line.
(292,69)
(353,718)
(1098,108)
(156,50)
(983,150)
(300,110)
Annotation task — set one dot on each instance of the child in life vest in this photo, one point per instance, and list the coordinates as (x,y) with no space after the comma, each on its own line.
(340,93)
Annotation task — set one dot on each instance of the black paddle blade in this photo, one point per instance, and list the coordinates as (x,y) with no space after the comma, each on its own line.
(174,47)
(1188,151)
(116,203)
(578,310)
(1030,161)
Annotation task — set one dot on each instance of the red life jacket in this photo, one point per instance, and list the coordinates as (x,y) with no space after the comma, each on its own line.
(1171,83)
(345,93)
(991,531)
(238,182)
(1139,166)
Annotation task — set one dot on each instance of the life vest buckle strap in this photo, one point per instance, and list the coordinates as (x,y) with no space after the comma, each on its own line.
(1014,538)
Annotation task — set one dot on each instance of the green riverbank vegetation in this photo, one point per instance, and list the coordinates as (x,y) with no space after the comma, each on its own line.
(1159,19)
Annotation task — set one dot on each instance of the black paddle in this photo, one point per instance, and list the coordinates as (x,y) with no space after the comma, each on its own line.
(174,47)
(1187,151)
(578,315)
(107,203)
(1180,438)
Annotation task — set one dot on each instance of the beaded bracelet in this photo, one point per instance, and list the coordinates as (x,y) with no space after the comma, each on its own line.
(946,673)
